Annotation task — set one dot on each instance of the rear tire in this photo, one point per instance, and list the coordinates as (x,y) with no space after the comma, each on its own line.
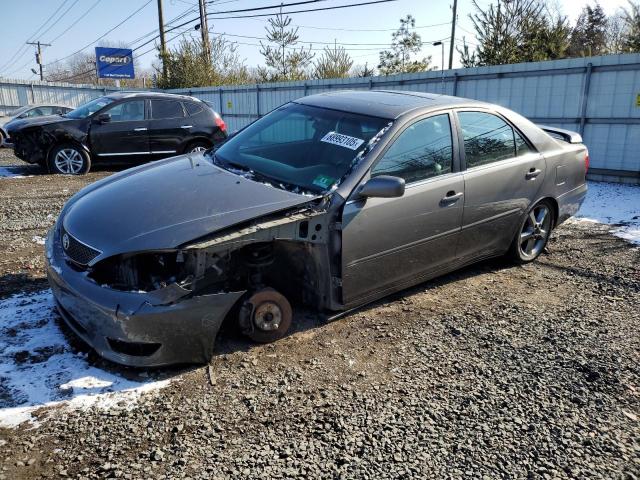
(198,146)
(266,316)
(69,159)
(533,233)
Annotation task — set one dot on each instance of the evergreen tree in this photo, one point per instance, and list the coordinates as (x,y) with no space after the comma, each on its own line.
(589,35)
(513,31)
(334,63)
(188,65)
(405,44)
(282,59)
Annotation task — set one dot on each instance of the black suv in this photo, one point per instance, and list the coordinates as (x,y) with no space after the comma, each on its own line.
(121,126)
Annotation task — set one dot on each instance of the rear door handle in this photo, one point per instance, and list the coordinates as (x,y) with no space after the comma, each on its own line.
(451,197)
(533,173)
(186,126)
(141,129)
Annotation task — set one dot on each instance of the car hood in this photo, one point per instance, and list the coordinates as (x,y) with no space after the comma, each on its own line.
(168,203)
(37,121)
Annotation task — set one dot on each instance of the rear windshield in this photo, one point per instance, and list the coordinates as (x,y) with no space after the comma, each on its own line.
(89,108)
(300,147)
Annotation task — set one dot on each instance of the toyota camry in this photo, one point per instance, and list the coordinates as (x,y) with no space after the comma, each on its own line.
(328,202)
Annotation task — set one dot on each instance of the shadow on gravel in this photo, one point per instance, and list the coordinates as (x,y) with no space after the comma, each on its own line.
(16,283)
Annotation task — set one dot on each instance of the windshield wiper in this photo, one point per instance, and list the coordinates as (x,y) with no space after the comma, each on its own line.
(250,174)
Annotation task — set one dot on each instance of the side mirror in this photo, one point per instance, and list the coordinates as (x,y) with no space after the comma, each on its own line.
(104,118)
(384,186)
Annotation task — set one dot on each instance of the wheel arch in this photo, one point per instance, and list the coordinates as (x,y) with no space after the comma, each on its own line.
(198,139)
(554,205)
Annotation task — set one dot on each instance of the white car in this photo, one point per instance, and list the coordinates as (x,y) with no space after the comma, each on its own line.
(28,111)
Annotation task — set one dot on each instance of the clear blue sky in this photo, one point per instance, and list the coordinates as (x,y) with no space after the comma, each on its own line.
(21,19)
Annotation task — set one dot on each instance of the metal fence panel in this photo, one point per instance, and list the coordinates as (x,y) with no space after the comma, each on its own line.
(16,93)
(597,96)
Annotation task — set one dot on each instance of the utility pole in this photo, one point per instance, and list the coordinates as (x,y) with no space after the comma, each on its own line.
(452,40)
(39,55)
(204,30)
(163,44)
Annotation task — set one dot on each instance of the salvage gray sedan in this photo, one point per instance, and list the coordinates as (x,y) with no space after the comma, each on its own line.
(331,201)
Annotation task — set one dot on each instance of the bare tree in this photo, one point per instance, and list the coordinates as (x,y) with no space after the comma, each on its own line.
(81,69)
(616,32)
(363,71)
(631,37)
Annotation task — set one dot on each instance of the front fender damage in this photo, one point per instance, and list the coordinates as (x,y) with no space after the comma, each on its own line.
(187,292)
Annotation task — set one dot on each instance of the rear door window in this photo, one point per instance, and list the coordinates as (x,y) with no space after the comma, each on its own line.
(166,109)
(487,138)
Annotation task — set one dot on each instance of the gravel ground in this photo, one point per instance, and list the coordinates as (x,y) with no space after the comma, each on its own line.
(492,372)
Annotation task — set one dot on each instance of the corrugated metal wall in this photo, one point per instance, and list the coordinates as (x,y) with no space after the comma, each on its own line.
(16,93)
(597,96)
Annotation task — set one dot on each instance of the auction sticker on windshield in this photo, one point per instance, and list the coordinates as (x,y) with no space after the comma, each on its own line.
(342,140)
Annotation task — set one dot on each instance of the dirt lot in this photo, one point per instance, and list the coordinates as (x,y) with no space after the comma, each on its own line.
(492,372)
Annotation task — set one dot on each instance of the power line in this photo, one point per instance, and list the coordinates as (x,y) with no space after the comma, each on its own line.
(24,48)
(103,35)
(175,27)
(335,7)
(60,17)
(76,21)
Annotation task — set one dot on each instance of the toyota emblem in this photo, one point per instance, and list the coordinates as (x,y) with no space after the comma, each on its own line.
(65,241)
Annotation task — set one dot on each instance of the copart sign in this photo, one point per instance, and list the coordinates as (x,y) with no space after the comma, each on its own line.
(114,62)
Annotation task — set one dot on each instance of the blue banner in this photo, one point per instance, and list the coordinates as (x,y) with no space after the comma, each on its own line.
(114,62)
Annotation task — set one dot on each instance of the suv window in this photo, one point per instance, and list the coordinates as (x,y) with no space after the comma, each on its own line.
(166,109)
(130,111)
(193,108)
(422,151)
(487,138)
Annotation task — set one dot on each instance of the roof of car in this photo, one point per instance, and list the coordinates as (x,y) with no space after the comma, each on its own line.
(383,103)
(121,95)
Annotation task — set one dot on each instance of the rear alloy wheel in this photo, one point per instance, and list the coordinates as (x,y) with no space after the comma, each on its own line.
(266,316)
(533,234)
(69,160)
(197,147)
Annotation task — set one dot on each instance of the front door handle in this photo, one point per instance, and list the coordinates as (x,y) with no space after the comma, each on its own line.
(533,173)
(141,129)
(451,197)
(186,126)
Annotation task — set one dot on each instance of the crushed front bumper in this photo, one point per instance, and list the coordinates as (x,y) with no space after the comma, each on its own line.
(131,328)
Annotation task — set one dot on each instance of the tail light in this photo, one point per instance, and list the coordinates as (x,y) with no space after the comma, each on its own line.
(220,123)
(586,162)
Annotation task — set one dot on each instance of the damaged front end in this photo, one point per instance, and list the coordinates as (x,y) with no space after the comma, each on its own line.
(163,307)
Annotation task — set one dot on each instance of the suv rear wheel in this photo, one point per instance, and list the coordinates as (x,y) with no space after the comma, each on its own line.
(69,160)
(198,146)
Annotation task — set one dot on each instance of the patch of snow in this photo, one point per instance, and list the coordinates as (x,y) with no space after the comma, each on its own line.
(38,239)
(614,204)
(39,368)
